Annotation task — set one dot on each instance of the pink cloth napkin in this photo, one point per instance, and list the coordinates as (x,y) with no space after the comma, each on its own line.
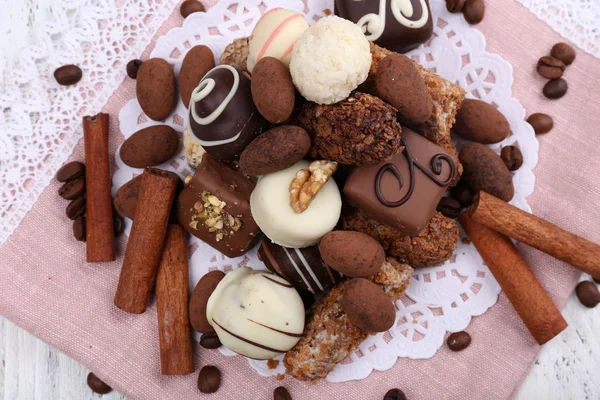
(49,289)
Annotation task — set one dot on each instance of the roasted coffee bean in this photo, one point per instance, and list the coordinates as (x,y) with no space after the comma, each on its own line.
(79,228)
(281,393)
(394,394)
(76,208)
(463,193)
(449,207)
(190,6)
(555,88)
(132,68)
(455,6)
(118,224)
(550,67)
(209,379)
(597,280)
(563,52)
(541,123)
(473,11)
(70,171)
(588,294)
(512,157)
(210,341)
(97,385)
(68,75)
(72,189)
(458,341)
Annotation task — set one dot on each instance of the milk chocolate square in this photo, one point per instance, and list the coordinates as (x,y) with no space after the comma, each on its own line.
(215,207)
(404,192)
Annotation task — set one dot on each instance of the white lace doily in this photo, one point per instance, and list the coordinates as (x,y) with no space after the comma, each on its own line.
(439,300)
(576,20)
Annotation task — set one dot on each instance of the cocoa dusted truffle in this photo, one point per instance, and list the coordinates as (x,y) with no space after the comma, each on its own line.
(360,130)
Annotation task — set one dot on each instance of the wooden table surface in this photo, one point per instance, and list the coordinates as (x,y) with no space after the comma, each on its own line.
(568,367)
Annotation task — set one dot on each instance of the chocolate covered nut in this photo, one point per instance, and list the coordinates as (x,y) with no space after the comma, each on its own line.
(68,75)
(588,294)
(79,228)
(150,146)
(399,83)
(273,90)
(455,6)
(189,7)
(541,123)
(555,88)
(458,341)
(485,170)
(281,393)
(275,150)
(481,122)
(132,68)
(72,189)
(353,254)
(156,88)
(199,298)
(463,193)
(210,341)
(126,197)
(196,63)
(394,394)
(97,385)
(367,306)
(474,11)
(70,171)
(550,67)
(118,224)
(76,208)
(449,207)
(563,52)
(512,157)
(209,379)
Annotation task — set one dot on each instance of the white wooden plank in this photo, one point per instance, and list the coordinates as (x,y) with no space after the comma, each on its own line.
(3,342)
(47,372)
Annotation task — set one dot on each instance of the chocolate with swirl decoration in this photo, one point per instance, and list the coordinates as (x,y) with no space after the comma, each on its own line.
(398,25)
(404,192)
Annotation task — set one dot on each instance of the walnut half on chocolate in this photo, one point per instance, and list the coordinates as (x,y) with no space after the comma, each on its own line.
(360,130)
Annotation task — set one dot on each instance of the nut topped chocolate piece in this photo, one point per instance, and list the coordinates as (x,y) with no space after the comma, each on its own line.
(404,192)
(215,207)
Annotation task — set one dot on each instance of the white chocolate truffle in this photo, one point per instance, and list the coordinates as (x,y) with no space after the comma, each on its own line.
(272,212)
(256,313)
(274,36)
(330,60)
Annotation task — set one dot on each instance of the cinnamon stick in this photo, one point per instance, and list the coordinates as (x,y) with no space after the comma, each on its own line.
(536,232)
(172,298)
(100,239)
(524,291)
(144,249)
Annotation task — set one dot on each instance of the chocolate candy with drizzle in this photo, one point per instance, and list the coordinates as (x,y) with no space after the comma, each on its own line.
(256,313)
(303,268)
(404,192)
(223,118)
(398,25)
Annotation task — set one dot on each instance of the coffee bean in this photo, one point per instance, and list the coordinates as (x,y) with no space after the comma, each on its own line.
(394,394)
(597,280)
(97,385)
(455,6)
(563,52)
(281,393)
(463,193)
(79,228)
(210,341)
(132,68)
(76,208)
(118,224)
(512,157)
(190,6)
(588,294)
(555,88)
(449,207)
(458,341)
(473,11)
(550,67)
(541,123)
(209,379)
(72,189)
(68,75)
(70,171)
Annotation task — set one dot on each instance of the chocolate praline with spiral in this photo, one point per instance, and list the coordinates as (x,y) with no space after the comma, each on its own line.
(223,118)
